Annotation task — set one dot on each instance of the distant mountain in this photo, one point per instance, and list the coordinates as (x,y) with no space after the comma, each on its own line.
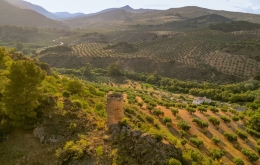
(197,22)
(126,8)
(67,15)
(55,16)
(108,18)
(11,15)
(26,5)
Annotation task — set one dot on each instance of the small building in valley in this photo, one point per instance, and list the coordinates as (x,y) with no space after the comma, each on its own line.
(201,100)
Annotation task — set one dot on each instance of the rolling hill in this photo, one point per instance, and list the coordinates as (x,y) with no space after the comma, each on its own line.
(55,16)
(159,17)
(11,15)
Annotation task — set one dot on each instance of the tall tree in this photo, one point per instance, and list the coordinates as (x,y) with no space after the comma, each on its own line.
(114,69)
(22,92)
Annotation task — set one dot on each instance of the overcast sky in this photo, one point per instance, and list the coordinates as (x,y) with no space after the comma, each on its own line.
(91,6)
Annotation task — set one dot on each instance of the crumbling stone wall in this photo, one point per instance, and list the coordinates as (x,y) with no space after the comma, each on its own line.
(145,149)
(115,109)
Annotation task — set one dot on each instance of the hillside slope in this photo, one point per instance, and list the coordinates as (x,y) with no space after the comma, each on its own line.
(11,15)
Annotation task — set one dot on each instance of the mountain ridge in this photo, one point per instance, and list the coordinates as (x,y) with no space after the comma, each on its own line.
(25,17)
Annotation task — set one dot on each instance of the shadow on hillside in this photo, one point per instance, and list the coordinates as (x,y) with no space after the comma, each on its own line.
(220,130)
(206,132)
(229,156)
(171,129)
(250,144)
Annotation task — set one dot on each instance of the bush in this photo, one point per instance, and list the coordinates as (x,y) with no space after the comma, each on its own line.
(183,133)
(253,132)
(149,119)
(202,109)
(252,156)
(201,123)
(238,161)
(100,109)
(99,151)
(75,87)
(216,154)
(191,110)
(149,107)
(173,161)
(158,137)
(140,104)
(225,119)
(214,120)
(230,136)
(214,110)
(158,112)
(241,134)
(77,103)
(196,141)
(216,140)
(183,142)
(166,120)
(183,125)
(235,118)
(66,94)
(258,142)
(72,149)
(174,111)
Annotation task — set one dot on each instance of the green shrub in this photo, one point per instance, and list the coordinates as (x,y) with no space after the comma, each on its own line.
(235,118)
(201,123)
(158,112)
(191,110)
(241,134)
(230,136)
(149,119)
(238,161)
(167,119)
(202,109)
(258,142)
(77,103)
(214,120)
(140,104)
(253,132)
(149,107)
(173,161)
(225,119)
(196,141)
(66,94)
(182,133)
(215,139)
(184,125)
(99,151)
(100,109)
(216,154)
(213,109)
(252,156)
(174,111)
(72,150)
(183,142)
(223,109)
(158,137)
(168,124)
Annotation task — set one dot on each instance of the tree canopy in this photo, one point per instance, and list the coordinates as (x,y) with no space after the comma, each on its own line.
(22,91)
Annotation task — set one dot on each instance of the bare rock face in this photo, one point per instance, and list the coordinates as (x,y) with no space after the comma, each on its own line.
(143,147)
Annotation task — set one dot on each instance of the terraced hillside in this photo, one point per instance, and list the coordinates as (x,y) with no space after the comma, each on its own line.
(201,49)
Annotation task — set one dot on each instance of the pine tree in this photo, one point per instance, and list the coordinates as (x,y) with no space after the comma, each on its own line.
(22,91)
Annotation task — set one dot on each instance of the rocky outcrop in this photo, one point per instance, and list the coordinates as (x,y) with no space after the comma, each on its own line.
(143,147)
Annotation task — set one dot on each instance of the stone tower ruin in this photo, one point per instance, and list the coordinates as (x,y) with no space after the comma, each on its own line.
(115,109)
